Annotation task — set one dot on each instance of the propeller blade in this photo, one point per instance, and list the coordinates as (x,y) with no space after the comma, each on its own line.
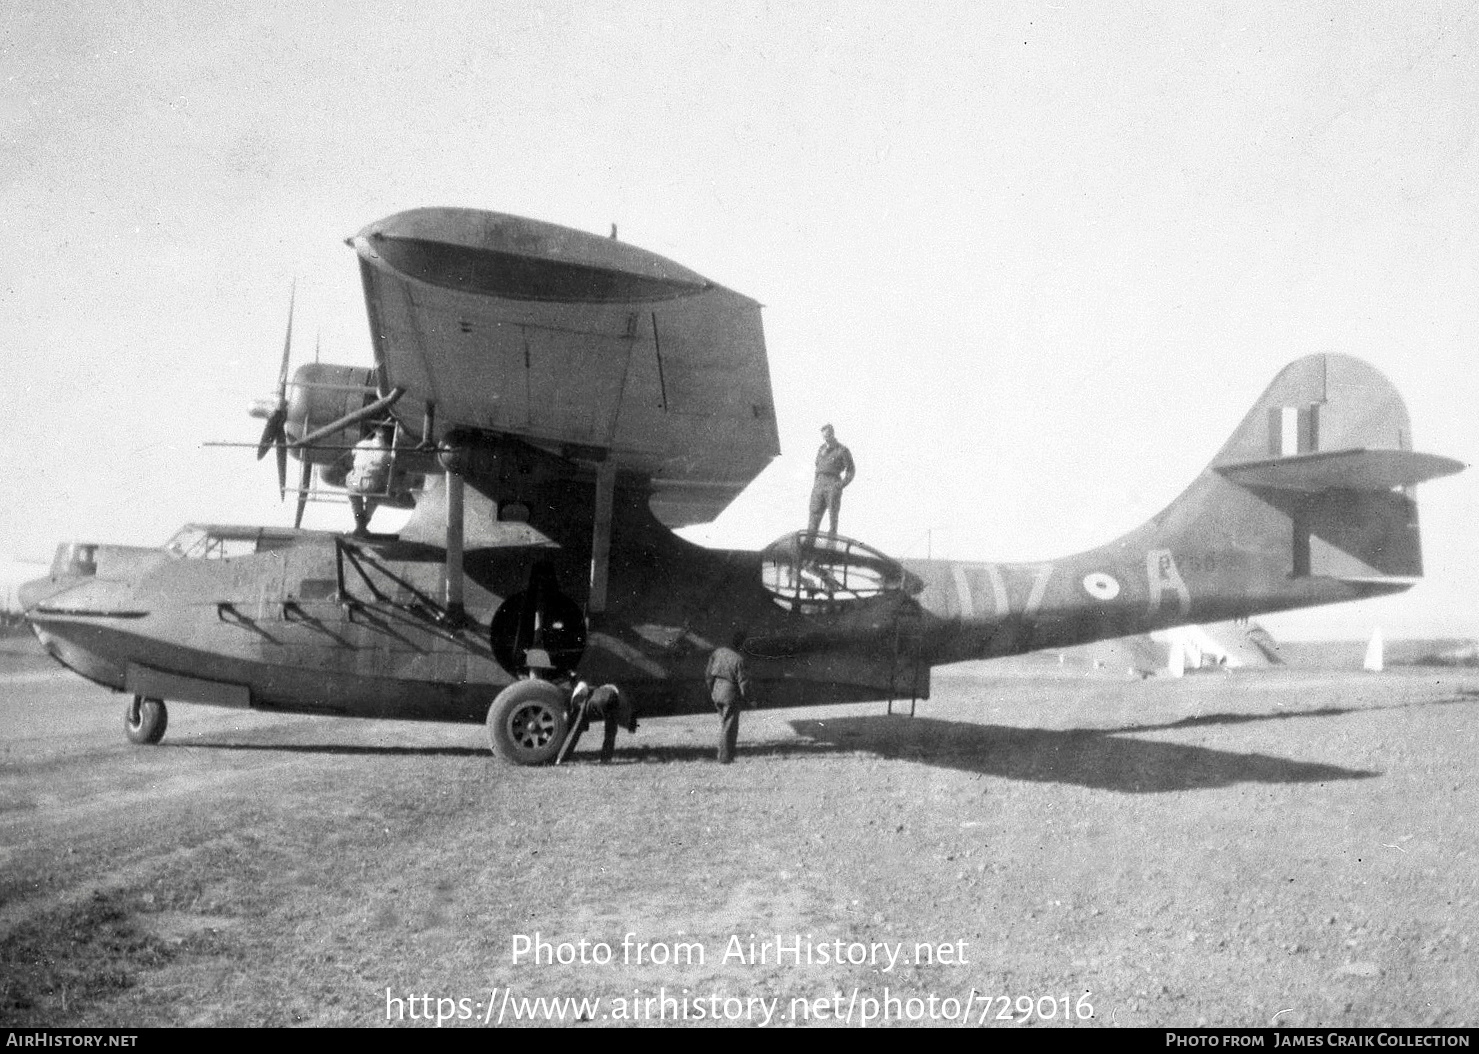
(282,468)
(287,348)
(272,432)
(304,479)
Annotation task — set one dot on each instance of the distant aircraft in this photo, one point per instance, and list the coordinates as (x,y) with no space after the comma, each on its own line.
(1228,645)
(1222,645)
(554,403)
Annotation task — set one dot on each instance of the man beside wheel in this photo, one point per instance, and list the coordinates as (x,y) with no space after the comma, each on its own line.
(539,718)
(607,704)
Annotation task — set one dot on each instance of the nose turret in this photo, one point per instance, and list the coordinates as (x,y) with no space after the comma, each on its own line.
(73,563)
(90,570)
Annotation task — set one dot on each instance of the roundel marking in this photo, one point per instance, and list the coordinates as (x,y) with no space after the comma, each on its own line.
(1101,586)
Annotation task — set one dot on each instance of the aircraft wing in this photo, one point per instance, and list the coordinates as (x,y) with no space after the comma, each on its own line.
(585,346)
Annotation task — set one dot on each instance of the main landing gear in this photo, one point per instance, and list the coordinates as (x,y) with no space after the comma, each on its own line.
(538,635)
(528,721)
(144,720)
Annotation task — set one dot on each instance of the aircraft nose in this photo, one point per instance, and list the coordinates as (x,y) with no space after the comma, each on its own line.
(74,562)
(31,593)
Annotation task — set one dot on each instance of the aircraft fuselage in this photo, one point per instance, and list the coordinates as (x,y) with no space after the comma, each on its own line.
(328,624)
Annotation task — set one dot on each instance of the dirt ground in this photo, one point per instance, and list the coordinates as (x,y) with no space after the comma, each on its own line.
(1236,849)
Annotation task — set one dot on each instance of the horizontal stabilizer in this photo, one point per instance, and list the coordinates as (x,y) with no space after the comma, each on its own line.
(1341,470)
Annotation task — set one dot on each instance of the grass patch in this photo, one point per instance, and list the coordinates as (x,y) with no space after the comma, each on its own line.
(57,965)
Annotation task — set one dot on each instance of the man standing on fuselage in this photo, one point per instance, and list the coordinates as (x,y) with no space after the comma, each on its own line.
(835,470)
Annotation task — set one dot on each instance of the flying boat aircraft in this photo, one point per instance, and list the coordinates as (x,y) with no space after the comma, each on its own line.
(552,403)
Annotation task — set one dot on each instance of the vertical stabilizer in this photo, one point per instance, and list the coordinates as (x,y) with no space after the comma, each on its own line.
(1318,404)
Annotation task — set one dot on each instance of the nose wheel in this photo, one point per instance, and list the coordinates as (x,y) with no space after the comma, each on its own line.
(144,720)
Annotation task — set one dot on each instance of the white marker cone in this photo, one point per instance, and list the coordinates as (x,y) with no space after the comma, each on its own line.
(1374,653)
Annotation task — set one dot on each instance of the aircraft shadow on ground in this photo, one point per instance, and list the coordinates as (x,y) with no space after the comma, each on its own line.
(628,752)
(633,751)
(344,749)
(1103,759)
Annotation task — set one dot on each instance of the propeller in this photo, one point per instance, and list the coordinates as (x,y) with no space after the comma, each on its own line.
(274,432)
(304,479)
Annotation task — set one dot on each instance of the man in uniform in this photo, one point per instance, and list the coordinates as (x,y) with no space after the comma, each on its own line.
(729,689)
(834,472)
(606,703)
(368,479)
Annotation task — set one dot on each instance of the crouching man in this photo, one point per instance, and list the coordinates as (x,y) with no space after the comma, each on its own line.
(607,704)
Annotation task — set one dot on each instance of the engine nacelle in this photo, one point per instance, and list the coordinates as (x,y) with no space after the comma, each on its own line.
(323,392)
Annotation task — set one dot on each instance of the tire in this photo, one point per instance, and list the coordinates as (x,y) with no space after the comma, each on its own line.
(144,720)
(528,721)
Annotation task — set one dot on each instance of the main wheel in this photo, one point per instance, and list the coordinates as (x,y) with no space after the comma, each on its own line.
(528,721)
(144,720)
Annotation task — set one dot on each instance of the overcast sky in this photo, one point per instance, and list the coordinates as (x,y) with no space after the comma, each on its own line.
(1034,261)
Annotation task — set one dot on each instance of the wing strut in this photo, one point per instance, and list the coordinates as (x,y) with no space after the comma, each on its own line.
(601,535)
(374,409)
(455,611)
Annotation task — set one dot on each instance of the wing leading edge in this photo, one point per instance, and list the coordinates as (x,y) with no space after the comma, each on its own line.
(584,346)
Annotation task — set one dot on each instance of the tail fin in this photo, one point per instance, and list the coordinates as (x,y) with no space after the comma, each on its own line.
(1328,422)
(1314,486)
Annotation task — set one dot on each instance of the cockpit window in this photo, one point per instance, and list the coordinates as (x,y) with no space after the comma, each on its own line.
(185,541)
(196,543)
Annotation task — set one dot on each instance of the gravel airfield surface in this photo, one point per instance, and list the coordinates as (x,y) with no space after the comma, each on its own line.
(1236,849)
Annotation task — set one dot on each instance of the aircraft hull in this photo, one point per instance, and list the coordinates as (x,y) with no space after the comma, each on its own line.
(125,660)
(329,626)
